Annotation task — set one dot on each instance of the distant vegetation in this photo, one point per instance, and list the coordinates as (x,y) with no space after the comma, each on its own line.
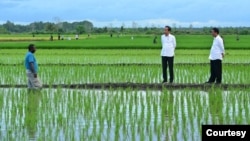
(86,27)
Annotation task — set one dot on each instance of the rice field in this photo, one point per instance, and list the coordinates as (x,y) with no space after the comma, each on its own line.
(118,66)
(103,41)
(117,113)
(117,56)
(124,114)
(184,74)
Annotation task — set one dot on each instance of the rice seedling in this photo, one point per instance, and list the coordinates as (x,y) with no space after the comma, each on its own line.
(120,74)
(119,114)
(100,57)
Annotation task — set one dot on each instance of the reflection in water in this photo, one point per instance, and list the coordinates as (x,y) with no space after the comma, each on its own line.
(168,99)
(66,114)
(31,112)
(215,105)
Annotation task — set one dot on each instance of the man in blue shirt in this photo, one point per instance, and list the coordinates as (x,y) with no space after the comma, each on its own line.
(32,68)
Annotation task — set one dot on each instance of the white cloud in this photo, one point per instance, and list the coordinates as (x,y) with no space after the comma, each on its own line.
(154,23)
(171,22)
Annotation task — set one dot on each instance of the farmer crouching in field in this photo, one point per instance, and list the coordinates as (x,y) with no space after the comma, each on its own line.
(167,53)
(216,56)
(32,68)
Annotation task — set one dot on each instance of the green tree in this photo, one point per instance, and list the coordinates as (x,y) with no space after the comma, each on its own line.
(244,32)
(3,30)
(50,28)
(83,27)
(88,26)
(80,29)
(9,26)
(122,29)
(105,29)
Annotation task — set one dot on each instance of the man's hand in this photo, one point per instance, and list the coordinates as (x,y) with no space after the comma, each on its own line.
(222,55)
(35,75)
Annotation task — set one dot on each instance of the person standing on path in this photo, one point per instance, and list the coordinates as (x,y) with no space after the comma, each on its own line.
(167,53)
(77,37)
(32,68)
(216,56)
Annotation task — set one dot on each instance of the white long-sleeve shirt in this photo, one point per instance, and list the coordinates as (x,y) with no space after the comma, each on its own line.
(168,45)
(217,49)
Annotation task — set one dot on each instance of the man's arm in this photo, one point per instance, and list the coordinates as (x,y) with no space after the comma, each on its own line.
(221,47)
(162,40)
(32,67)
(174,42)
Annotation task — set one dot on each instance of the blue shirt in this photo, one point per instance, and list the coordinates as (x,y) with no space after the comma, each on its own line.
(28,59)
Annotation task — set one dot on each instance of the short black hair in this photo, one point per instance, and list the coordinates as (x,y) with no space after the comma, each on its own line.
(216,30)
(169,28)
(31,46)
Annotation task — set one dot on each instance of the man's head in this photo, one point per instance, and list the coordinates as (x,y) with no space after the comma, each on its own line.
(32,48)
(215,31)
(167,30)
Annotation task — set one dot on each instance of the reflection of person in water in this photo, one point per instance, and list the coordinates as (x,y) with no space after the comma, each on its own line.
(215,104)
(31,112)
(168,99)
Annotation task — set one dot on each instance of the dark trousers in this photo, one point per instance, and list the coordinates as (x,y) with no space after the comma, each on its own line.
(168,62)
(216,71)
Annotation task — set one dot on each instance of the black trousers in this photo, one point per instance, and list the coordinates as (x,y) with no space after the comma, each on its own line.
(215,71)
(168,62)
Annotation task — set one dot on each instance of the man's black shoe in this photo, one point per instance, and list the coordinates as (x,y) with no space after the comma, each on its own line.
(164,82)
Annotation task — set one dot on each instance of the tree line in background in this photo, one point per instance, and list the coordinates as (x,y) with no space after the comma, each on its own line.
(86,27)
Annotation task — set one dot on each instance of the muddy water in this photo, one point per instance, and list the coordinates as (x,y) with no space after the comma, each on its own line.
(65,114)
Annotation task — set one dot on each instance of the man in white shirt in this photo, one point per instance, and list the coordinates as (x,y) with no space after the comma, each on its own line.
(167,53)
(77,36)
(216,56)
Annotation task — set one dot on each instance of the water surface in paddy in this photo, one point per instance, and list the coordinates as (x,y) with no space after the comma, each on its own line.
(66,114)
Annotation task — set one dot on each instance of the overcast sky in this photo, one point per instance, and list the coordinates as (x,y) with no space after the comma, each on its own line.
(117,12)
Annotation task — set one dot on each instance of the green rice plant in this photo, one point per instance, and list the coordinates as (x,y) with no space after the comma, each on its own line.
(119,74)
(18,41)
(146,56)
(74,114)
